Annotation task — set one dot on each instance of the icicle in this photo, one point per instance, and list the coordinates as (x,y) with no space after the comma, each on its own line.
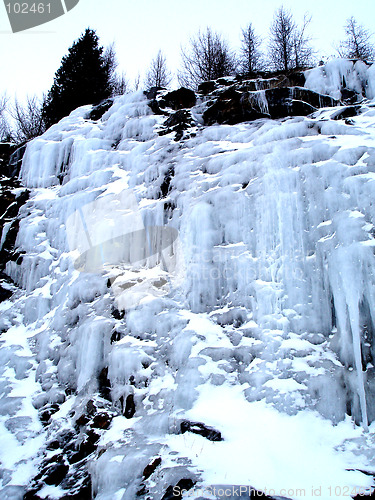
(353,308)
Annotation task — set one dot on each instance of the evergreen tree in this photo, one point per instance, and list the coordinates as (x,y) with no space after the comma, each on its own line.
(84,77)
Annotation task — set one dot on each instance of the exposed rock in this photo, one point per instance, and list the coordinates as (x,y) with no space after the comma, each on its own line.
(6,150)
(88,446)
(201,429)
(150,468)
(55,474)
(181,98)
(117,314)
(5,294)
(46,413)
(177,122)
(153,92)
(82,420)
(15,161)
(102,420)
(10,204)
(346,112)
(98,110)
(349,96)
(129,410)
(207,87)
(175,492)
(233,106)
(104,382)
(180,119)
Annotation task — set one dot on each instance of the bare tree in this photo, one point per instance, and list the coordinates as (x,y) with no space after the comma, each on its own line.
(289,45)
(303,53)
(158,74)
(120,85)
(28,119)
(251,57)
(137,82)
(5,129)
(118,82)
(357,44)
(208,57)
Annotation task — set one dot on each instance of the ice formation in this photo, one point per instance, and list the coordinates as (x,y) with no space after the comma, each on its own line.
(267,335)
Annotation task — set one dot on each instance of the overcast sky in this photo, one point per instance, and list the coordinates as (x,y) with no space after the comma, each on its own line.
(139,28)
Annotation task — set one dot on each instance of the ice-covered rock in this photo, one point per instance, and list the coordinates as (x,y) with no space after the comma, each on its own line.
(252,311)
(342,78)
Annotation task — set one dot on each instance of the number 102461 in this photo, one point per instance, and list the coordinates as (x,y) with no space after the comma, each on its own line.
(26,8)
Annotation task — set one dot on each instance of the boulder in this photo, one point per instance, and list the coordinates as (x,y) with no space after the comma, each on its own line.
(207,87)
(180,99)
(231,107)
(150,468)
(99,109)
(346,112)
(129,409)
(201,429)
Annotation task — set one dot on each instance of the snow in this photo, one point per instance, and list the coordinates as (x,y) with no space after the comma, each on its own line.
(248,293)
(289,455)
(337,73)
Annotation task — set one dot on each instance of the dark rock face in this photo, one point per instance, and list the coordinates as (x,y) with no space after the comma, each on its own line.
(15,161)
(129,410)
(6,150)
(150,468)
(234,100)
(233,106)
(206,88)
(178,122)
(5,294)
(99,109)
(201,429)
(181,98)
(347,112)
(175,492)
(10,204)
(153,92)
(349,96)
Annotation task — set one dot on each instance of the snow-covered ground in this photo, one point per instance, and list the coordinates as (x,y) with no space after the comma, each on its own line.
(254,316)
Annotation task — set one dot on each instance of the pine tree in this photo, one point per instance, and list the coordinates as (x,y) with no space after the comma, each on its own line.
(84,77)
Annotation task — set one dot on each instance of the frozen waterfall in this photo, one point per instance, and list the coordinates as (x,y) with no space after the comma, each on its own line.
(251,308)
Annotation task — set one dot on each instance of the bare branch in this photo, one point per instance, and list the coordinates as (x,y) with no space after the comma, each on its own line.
(357,44)
(208,57)
(28,119)
(158,74)
(289,45)
(251,57)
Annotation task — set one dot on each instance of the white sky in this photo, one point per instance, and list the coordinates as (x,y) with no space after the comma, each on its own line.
(140,28)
